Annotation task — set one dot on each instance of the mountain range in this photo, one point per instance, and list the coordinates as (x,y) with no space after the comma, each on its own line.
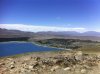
(89,35)
(72,33)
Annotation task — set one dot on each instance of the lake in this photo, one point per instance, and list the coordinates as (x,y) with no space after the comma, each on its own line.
(13,48)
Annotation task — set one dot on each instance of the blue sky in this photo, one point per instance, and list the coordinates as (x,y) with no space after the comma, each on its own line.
(84,14)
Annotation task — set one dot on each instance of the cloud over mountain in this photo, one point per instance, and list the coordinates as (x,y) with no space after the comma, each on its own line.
(33,28)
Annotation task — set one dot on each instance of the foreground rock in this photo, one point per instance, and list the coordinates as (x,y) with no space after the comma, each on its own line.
(73,63)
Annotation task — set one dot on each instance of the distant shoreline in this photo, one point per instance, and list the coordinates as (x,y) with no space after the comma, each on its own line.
(34,44)
(49,46)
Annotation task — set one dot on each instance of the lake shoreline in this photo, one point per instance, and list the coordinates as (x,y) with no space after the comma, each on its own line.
(34,44)
(45,45)
(35,49)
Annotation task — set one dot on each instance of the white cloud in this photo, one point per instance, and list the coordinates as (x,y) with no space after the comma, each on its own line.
(34,28)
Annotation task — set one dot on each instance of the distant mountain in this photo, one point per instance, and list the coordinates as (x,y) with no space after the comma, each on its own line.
(71,33)
(4,33)
(60,33)
(90,35)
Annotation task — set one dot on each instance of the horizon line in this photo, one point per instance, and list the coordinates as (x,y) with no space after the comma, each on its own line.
(35,28)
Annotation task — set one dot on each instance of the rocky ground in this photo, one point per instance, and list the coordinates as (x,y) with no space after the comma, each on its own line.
(51,63)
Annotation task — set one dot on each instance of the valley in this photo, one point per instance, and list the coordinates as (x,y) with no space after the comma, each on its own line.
(78,54)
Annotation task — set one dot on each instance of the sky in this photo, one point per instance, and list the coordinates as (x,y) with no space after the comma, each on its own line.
(50,15)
